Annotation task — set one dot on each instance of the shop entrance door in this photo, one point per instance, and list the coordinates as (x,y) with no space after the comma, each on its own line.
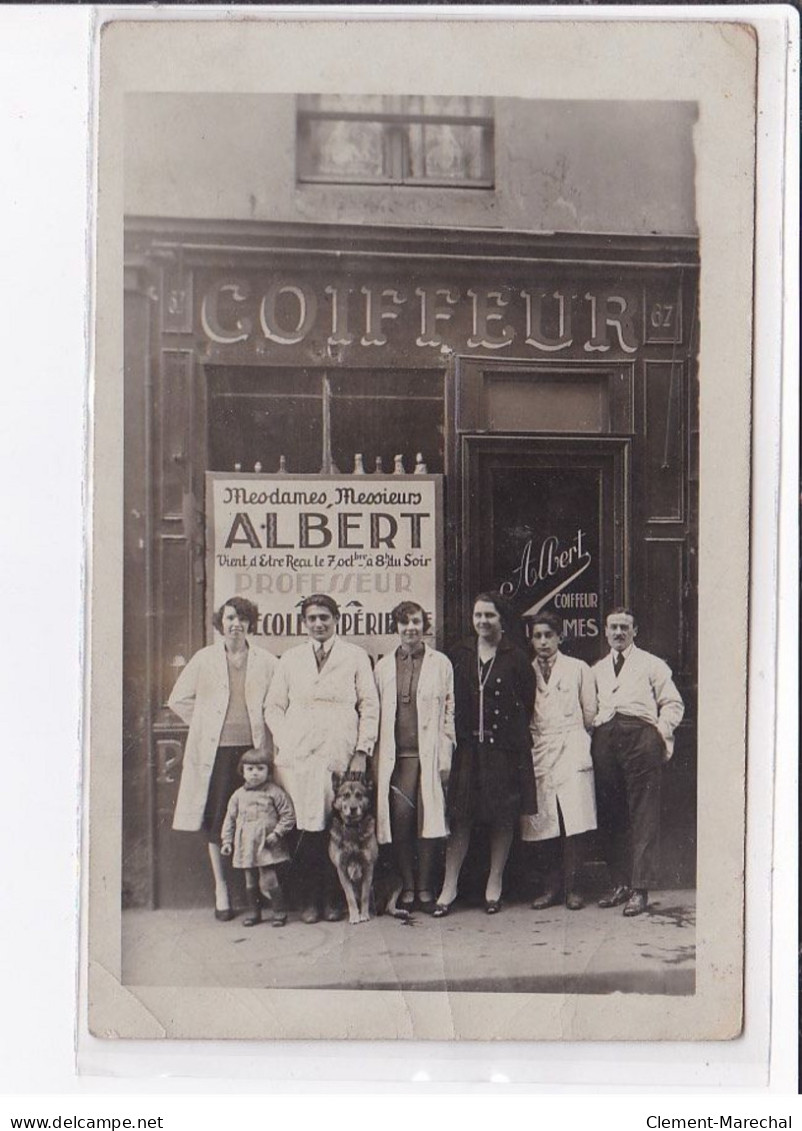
(545,520)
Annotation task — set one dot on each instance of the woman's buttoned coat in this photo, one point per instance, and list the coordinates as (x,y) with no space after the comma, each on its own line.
(318,719)
(508,699)
(563,714)
(200,699)
(435,707)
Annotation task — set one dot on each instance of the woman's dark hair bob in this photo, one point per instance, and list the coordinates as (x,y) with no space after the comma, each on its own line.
(244,608)
(493,597)
(401,614)
(510,621)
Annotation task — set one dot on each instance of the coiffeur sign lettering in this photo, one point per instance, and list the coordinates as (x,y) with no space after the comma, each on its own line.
(370,542)
(283,314)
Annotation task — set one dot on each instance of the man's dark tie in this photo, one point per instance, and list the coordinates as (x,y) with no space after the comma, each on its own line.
(321,655)
(545,670)
(618,662)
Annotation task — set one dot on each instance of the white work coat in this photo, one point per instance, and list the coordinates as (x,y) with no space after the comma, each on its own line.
(435,705)
(318,720)
(200,699)
(642,690)
(564,710)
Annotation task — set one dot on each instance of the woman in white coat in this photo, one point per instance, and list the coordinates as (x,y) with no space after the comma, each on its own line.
(413,754)
(221,695)
(565,706)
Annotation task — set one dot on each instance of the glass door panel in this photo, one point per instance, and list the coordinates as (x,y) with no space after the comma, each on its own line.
(545,523)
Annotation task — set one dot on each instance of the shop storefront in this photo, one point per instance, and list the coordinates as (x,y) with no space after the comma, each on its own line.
(382,412)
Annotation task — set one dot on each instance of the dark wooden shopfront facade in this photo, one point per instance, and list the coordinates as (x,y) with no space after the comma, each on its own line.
(551,380)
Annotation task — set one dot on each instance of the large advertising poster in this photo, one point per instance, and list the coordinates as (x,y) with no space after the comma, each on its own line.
(369,541)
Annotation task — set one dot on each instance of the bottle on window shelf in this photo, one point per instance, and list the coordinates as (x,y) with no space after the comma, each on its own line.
(420,466)
(282,465)
(379,465)
(398,467)
(359,464)
(257,467)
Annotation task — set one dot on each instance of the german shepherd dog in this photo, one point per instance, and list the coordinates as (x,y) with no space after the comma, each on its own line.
(354,849)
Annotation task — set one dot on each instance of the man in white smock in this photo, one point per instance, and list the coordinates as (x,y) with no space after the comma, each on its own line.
(565,705)
(323,712)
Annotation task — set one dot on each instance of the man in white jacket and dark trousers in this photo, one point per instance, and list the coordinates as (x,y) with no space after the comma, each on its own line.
(323,712)
(639,708)
(565,707)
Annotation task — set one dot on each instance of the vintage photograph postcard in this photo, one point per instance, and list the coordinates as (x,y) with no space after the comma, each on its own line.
(420,514)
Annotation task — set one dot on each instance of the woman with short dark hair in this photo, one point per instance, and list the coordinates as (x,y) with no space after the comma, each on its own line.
(413,753)
(492,780)
(221,696)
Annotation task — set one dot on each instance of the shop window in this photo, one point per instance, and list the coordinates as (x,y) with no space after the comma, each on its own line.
(395,140)
(382,415)
(320,420)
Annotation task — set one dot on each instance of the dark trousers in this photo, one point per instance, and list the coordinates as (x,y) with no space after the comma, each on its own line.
(314,876)
(628,759)
(561,858)
(561,862)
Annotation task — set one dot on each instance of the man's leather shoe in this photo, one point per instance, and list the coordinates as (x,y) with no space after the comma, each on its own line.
(547,899)
(574,901)
(333,914)
(616,897)
(636,904)
(310,914)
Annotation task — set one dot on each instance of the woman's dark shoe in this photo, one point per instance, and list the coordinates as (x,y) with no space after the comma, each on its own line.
(310,914)
(441,910)
(492,906)
(427,906)
(279,919)
(224,916)
(574,901)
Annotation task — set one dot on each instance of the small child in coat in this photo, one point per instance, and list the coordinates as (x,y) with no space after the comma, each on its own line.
(257,821)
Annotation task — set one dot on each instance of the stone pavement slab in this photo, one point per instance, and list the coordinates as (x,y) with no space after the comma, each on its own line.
(517,951)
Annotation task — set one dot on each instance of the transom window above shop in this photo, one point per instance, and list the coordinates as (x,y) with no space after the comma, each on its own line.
(384,139)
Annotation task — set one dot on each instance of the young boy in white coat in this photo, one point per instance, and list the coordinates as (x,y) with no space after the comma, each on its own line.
(565,705)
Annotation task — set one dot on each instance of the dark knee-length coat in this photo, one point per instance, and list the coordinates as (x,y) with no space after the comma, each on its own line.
(493,781)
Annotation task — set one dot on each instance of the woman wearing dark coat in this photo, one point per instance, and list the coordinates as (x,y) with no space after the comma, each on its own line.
(492,779)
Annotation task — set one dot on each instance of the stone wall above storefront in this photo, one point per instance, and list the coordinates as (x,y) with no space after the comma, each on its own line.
(568,166)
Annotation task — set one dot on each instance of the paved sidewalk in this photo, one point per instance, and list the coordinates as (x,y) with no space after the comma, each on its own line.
(519,950)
